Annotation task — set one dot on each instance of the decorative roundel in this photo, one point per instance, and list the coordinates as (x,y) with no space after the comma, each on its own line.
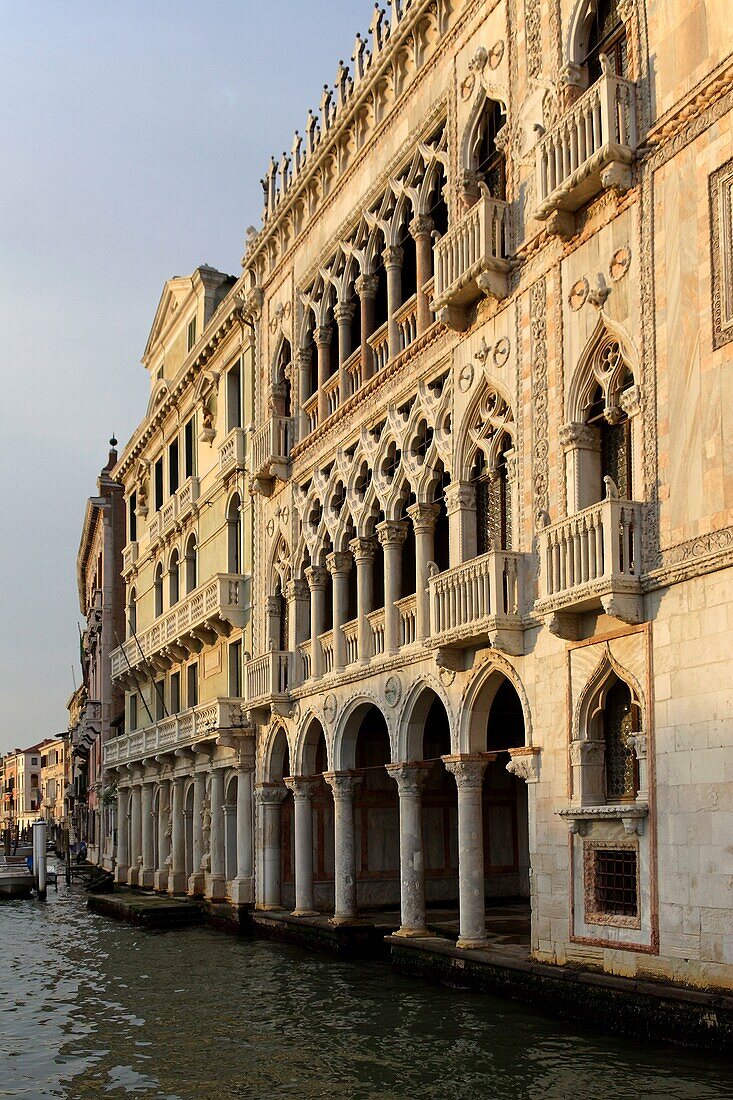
(578,294)
(495,54)
(619,264)
(330,708)
(465,378)
(468,85)
(501,351)
(393,691)
(270,528)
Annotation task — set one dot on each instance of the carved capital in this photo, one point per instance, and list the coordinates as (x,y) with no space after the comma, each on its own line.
(343,312)
(582,437)
(630,401)
(343,784)
(393,256)
(525,763)
(362,549)
(303,358)
(270,794)
(339,562)
(316,576)
(322,335)
(587,753)
(392,532)
(459,496)
(366,286)
(409,777)
(424,516)
(468,769)
(421,226)
(297,590)
(302,786)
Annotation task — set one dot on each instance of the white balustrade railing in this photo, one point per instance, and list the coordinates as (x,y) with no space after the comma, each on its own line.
(187,496)
(485,588)
(222,597)
(601,543)
(326,640)
(169,514)
(379,343)
(231,451)
(480,238)
(352,366)
(129,556)
(303,661)
(271,443)
(268,675)
(350,632)
(178,730)
(310,408)
(599,128)
(155,527)
(406,317)
(331,390)
(376,622)
(407,608)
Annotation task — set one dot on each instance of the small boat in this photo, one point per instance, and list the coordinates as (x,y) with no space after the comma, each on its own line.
(16,881)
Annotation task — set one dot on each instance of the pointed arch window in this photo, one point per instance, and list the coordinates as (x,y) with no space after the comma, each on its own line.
(490,160)
(191,564)
(158,589)
(132,613)
(493,501)
(606,35)
(173,580)
(619,723)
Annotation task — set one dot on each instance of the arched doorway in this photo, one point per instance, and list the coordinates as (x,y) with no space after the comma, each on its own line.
(376,816)
(314,764)
(505,818)
(276,828)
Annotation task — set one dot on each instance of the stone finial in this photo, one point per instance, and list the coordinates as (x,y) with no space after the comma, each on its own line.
(341,85)
(284,170)
(326,98)
(311,132)
(295,152)
(358,58)
(376,29)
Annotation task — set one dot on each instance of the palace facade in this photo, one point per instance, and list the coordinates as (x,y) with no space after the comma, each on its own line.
(430,516)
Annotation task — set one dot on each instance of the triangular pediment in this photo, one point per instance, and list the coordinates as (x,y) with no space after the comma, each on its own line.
(174,294)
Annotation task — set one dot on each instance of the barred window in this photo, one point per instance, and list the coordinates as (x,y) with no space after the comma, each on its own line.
(622,779)
(615,882)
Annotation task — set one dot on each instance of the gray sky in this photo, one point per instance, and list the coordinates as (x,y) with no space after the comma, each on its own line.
(133,136)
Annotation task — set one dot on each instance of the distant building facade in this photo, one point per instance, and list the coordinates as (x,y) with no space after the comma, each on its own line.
(429,521)
(22,788)
(55,775)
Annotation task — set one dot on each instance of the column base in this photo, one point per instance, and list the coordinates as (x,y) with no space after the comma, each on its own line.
(216,888)
(263,907)
(132,876)
(121,874)
(177,882)
(304,913)
(241,891)
(339,921)
(160,881)
(145,877)
(472,945)
(413,933)
(196,884)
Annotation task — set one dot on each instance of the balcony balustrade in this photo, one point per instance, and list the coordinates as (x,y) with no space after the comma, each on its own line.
(326,640)
(406,317)
(310,408)
(268,680)
(407,608)
(471,261)
(376,622)
(303,661)
(479,601)
(180,730)
(379,343)
(232,450)
(129,556)
(331,390)
(592,560)
(208,612)
(351,639)
(352,366)
(587,150)
(271,452)
(187,496)
(155,527)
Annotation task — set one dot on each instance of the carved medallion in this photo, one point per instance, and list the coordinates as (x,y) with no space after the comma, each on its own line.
(578,294)
(501,351)
(495,54)
(330,708)
(447,676)
(619,264)
(468,85)
(393,691)
(270,528)
(465,378)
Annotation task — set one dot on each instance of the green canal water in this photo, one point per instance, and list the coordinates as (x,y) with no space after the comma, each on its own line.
(91,1008)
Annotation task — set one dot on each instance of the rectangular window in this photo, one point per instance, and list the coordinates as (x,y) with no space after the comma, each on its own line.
(132,712)
(132,518)
(235,670)
(189,450)
(173,467)
(721,217)
(191,334)
(611,884)
(234,398)
(192,685)
(175,688)
(34,760)
(159,700)
(158,483)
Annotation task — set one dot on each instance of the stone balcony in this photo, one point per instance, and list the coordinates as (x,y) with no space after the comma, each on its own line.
(184,730)
(210,611)
(471,261)
(268,680)
(271,452)
(130,555)
(590,148)
(175,510)
(232,451)
(479,602)
(592,561)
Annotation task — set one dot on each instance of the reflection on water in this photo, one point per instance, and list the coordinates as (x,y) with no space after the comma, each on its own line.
(90,1008)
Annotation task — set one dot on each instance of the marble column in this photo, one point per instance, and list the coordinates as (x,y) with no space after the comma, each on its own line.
(468,771)
(270,797)
(240,889)
(392,257)
(177,882)
(409,779)
(164,837)
(215,888)
(147,870)
(392,534)
(122,856)
(344,314)
(343,785)
(136,838)
(460,504)
(322,338)
(317,580)
(366,287)
(196,880)
(304,375)
(297,595)
(363,551)
(421,229)
(424,517)
(303,787)
(339,566)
